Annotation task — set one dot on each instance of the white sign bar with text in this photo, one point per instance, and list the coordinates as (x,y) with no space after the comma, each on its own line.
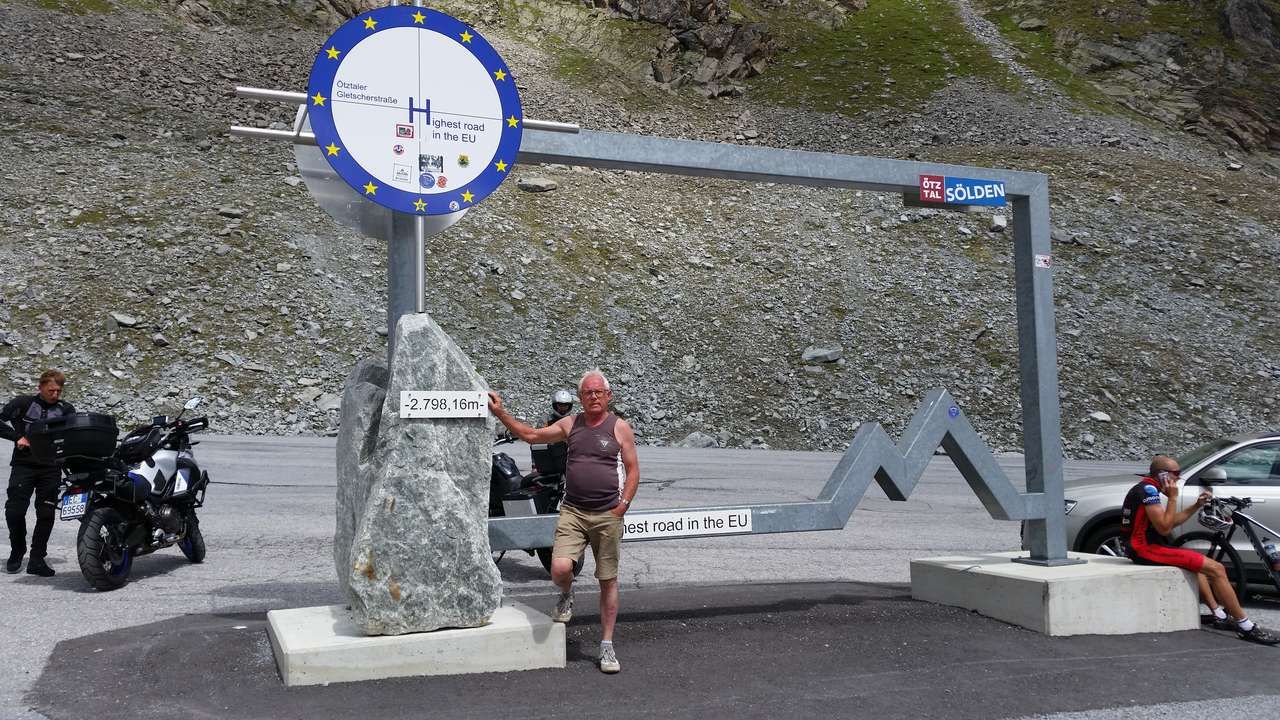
(652,526)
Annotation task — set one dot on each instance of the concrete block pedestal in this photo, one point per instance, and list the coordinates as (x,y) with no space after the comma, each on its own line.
(1104,596)
(320,645)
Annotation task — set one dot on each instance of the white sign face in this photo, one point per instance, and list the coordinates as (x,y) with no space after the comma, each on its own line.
(414,110)
(459,117)
(443,404)
(651,526)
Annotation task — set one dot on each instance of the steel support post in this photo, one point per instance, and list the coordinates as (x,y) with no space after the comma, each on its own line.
(1038,371)
(404,272)
(420,263)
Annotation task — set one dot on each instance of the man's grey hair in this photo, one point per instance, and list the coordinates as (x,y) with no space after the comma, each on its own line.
(596,372)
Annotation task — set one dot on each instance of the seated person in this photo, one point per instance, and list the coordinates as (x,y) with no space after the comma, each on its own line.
(1148,521)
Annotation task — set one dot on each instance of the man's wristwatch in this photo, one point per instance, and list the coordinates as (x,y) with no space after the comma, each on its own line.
(626,502)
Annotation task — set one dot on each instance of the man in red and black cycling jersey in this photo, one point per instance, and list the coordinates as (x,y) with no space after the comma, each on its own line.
(1149,521)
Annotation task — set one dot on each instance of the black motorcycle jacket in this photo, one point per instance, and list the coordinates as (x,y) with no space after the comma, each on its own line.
(18,415)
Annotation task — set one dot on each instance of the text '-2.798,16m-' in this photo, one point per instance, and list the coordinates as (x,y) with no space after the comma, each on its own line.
(443,404)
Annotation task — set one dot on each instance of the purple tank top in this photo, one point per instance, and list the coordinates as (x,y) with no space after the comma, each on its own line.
(594,475)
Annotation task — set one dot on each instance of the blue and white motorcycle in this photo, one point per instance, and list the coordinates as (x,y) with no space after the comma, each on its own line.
(140,499)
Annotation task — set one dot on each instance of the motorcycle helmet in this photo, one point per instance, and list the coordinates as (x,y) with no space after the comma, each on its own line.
(561,403)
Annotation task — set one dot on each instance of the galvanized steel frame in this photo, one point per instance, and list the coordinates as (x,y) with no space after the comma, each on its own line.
(871,454)
(938,421)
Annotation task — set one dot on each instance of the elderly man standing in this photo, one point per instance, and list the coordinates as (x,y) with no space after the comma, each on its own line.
(601,480)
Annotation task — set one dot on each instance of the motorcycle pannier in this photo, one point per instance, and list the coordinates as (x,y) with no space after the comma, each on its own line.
(81,442)
(131,488)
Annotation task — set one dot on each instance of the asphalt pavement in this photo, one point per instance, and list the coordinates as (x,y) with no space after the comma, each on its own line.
(789,625)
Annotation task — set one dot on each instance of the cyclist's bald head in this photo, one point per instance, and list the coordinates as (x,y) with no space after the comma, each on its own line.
(1163,463)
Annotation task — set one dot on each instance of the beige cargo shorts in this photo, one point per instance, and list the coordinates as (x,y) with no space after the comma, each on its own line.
(602,530)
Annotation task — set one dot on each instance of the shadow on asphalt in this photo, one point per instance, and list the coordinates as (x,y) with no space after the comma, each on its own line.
(513,572)
(310,592)
(69,578)
(749,651)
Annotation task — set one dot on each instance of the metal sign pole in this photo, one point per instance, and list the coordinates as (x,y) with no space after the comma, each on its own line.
(420,261)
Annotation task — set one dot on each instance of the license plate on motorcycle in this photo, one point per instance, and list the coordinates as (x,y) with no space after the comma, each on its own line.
(73,505)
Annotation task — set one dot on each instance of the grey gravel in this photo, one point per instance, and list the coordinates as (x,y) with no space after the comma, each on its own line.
(705,292)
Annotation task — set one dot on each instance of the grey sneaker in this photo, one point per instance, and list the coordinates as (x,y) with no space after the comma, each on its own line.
(564,608)
(608,660)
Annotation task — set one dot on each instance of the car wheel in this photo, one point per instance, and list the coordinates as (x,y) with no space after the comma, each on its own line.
(1107,540)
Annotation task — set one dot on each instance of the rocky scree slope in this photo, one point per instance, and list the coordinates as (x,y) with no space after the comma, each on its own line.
(152,256)
(1210,67)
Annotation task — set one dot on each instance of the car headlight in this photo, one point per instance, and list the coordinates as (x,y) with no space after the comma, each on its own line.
(1070,505)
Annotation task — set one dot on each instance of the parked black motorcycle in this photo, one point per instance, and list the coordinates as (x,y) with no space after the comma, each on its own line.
(538,493)
(131,499)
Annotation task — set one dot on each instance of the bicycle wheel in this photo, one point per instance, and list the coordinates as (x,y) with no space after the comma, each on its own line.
(1206,543)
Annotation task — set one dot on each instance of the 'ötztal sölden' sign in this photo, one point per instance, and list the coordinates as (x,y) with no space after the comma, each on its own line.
(414,110)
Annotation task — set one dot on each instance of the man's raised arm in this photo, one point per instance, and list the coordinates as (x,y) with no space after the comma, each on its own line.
(553,433)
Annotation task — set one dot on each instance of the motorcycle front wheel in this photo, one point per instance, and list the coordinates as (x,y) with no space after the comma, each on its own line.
(193,544)
(105,565)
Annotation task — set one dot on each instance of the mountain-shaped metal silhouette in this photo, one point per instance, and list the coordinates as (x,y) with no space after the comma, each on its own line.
(897,467)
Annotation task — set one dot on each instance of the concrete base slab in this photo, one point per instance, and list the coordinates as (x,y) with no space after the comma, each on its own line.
(321,645)
(1104,596)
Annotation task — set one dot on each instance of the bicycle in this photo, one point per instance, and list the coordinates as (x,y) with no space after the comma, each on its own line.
(1223,516)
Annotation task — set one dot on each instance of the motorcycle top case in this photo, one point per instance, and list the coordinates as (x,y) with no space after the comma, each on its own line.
(81,441)
(550,459)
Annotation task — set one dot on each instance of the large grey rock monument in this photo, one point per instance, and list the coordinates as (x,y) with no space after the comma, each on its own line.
(411,546)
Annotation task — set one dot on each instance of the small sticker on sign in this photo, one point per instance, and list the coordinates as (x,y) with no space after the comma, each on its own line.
(1044,261)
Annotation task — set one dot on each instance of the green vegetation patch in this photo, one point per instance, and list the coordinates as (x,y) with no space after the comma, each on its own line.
(893,53)
(77,7)
(589,47)
(1046,51)
(1102,20)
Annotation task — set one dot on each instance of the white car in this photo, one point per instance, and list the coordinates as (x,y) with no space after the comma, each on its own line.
(1239,466)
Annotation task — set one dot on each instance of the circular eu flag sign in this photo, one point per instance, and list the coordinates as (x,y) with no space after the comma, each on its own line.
(414,110)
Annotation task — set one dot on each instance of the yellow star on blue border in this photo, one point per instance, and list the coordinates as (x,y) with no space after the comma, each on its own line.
(333,53)
(466,36)
(370,188)
(370,24)
(418,17)
(467,196)
(419,205)
(333,149)
(318,99)
(499,74)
